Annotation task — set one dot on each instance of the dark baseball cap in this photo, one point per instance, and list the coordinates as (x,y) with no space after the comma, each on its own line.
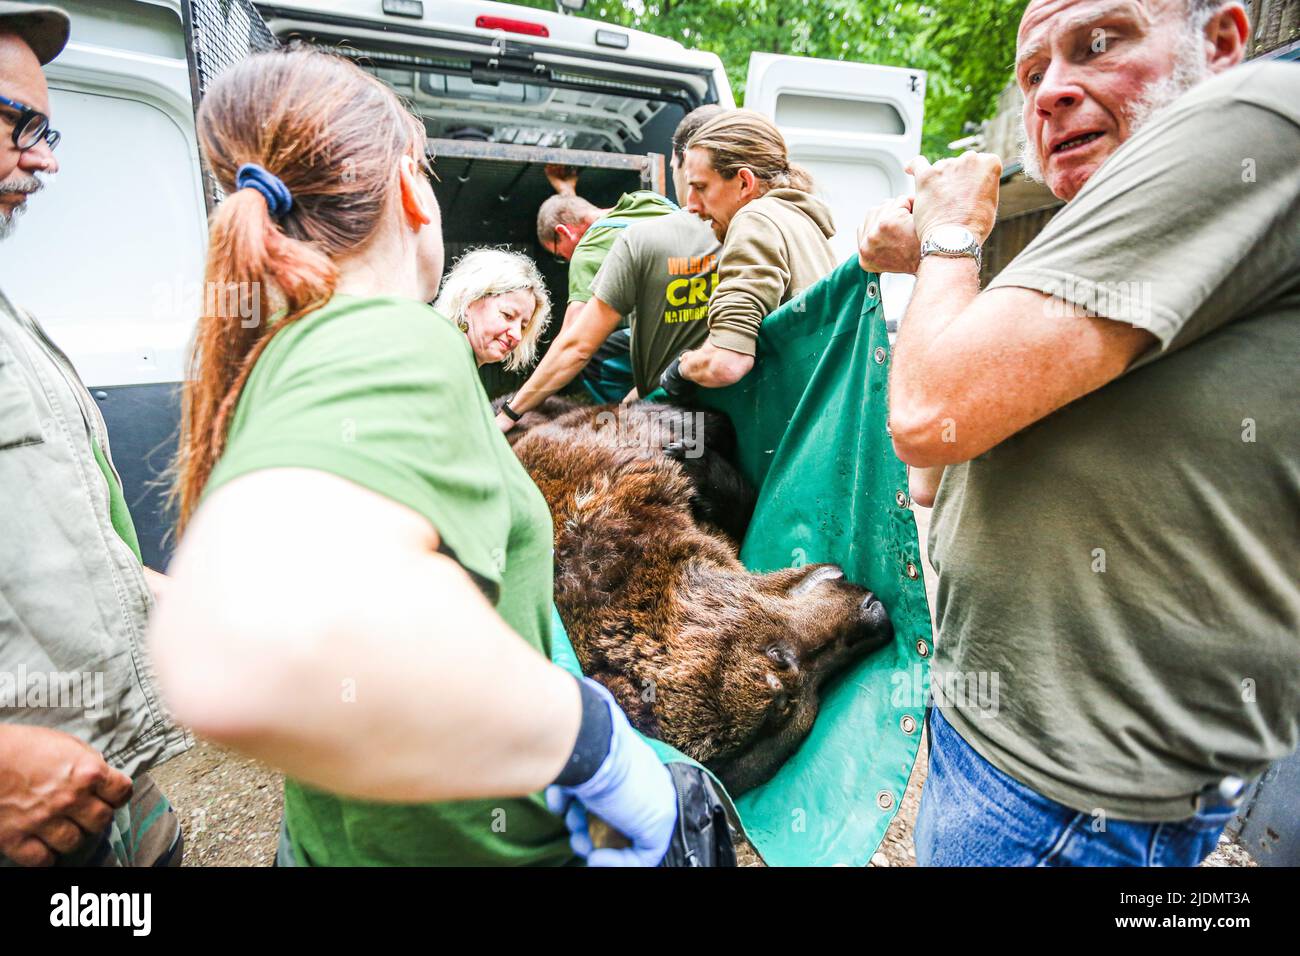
(45,29)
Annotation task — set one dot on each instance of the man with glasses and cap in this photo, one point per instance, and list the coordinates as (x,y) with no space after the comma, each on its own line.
(80,719)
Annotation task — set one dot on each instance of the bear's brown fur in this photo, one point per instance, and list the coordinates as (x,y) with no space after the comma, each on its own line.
(721,663)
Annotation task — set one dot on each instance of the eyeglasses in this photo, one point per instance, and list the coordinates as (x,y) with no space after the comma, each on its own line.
(32,126)
(555,242)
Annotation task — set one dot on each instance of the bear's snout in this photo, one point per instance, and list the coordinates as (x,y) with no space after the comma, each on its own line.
(873,626)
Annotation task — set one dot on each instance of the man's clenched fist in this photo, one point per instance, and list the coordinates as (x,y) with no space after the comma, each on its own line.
(55,791)
(962,191)
(887,239)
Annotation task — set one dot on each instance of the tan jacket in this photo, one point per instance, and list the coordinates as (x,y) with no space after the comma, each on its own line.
(73,598)
(776,246)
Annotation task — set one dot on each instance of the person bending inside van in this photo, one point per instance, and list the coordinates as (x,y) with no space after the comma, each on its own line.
(73,783)
(571,228)
(775,240)
(659,275)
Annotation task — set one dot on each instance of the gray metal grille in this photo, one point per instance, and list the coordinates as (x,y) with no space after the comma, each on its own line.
(219,33)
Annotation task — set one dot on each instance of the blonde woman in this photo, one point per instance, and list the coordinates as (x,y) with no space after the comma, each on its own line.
(498,299)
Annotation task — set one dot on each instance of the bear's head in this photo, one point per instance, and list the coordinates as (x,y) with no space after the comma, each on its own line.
(777,643)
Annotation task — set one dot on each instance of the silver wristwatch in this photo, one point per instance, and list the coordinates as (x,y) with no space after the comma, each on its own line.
(954,241)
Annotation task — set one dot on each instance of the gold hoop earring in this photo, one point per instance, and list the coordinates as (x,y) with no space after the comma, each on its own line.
(463,326)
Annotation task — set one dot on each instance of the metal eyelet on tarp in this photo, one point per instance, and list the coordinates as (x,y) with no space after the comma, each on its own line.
(873,290)
(885,800)
(880,355)
(901,498)
(908,724)
(923,648)
(911,571)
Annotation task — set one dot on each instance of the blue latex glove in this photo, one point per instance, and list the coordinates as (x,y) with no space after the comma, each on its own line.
(631,791)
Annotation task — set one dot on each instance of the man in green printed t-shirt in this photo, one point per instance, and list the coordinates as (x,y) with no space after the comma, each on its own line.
(1116,426)
(572,228)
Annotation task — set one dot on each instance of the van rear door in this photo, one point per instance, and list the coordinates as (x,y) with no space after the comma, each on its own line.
(854,126)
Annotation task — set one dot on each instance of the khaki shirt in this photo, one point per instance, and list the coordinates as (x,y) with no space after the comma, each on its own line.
(1123,573)
(776,247)
(73,597)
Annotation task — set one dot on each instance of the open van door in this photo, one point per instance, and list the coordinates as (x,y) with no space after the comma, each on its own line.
(854,126)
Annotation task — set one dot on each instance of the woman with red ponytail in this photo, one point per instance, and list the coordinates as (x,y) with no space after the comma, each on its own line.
(362,592)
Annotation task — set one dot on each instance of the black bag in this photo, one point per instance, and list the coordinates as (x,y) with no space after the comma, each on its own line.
(703,836)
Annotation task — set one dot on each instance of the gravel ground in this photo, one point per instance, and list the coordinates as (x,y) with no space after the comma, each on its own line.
(230,806)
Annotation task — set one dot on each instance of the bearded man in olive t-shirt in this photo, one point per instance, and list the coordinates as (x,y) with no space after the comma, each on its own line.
(1115,420)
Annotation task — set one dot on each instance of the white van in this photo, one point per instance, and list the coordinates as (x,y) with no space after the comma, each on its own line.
(110,258)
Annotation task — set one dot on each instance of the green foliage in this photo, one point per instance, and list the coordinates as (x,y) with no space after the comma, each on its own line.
(966,46)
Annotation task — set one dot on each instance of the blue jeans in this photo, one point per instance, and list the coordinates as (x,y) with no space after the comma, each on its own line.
(973,814)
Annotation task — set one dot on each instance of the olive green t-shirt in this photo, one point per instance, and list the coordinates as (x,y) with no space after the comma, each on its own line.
(599,238)
(660,274)
(384,392)
(1126,571)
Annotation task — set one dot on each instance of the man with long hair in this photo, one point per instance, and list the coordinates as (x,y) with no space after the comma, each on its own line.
(775,239)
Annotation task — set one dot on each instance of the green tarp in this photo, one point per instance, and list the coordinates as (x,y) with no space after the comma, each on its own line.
(811,423)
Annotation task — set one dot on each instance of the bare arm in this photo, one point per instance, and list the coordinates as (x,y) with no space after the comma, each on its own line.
(571,312)
(571,350)
(887,242)
(715,367)
(310,623)
(963,381)
(55,792)
(972,369)
(563,179)
(923,485)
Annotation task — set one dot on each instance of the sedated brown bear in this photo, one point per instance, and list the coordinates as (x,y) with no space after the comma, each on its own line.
(725,665)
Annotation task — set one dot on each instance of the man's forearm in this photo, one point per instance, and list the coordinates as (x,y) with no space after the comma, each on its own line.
(945,286)
(923,484)
(582,334)
(566,357)
(714,367)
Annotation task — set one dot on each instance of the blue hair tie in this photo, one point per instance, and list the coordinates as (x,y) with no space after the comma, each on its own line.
(278,198)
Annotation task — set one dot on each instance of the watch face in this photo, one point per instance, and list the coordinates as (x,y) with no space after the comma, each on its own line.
(952,238)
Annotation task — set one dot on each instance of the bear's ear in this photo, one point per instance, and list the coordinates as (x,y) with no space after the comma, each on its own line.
(793,582)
